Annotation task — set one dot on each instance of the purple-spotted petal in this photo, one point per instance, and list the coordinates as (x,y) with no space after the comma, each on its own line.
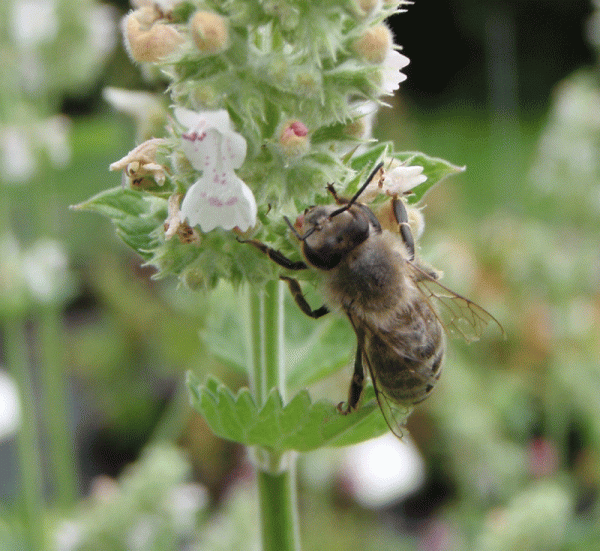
(200,143)
(219,198)
(227,205)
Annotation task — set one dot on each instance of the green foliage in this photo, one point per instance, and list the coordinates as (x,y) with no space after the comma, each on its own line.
(435,169)
(152,506)
(300,424)
(134,215)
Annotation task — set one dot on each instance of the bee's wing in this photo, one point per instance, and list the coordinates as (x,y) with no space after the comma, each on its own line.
(460,316)
(395,415)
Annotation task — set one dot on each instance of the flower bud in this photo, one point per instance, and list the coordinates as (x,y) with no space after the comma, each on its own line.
(293,138)
(146,40)
(210,32)
(367,7)
(374,45)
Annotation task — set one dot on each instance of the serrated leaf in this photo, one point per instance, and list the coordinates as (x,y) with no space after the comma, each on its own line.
(300,425)
(135,216)
(434,168)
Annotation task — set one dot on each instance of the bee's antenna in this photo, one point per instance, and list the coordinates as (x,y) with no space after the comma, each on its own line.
(295,232)
(357,194)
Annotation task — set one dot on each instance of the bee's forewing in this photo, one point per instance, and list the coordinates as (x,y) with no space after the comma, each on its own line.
(460,316)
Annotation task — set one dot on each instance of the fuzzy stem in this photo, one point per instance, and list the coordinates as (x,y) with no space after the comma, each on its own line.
(55,386)
(32,488)
(276,474)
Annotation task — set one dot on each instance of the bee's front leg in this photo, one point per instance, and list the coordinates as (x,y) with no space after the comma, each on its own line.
(276,256)
(401,216)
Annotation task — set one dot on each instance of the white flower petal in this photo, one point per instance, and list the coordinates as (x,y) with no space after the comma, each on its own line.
(392,75)
(199,125)
(225,206)
(401,179)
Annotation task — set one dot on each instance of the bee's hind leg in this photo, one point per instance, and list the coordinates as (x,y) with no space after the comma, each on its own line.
(356,384)
(296,291)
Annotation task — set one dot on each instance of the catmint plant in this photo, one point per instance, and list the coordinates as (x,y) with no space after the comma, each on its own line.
(270,102)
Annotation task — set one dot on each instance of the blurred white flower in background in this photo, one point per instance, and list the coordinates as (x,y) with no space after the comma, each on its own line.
(383,470)
(147,110)
(46,270)
(34,22)
(17,160)
(10,406)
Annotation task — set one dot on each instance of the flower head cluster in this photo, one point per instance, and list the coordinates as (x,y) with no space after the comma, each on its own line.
(268,101)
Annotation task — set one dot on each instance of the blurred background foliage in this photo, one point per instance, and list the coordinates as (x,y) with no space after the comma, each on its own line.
(510,441)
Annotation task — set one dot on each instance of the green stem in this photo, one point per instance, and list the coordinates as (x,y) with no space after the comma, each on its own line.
(276,473)
(278,510)
(27,440)
(55,386)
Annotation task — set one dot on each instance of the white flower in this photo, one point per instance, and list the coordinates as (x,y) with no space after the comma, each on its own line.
(140,163)
(391,68)
(46,270)
(147,109)
(402,179)
(219,198)
(397,181)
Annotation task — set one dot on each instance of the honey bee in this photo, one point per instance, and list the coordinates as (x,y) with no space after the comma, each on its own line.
(388,294)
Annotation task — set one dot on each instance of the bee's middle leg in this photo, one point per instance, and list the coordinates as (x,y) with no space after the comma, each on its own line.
(296,291)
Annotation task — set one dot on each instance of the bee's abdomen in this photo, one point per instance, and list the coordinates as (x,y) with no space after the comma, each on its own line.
(407,358)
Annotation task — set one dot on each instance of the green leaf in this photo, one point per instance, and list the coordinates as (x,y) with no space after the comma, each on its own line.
(300,425)
(435,169)
(135,216)
(369,158)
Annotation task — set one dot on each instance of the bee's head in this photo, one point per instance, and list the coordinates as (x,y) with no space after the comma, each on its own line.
(330,232)
(328,235)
